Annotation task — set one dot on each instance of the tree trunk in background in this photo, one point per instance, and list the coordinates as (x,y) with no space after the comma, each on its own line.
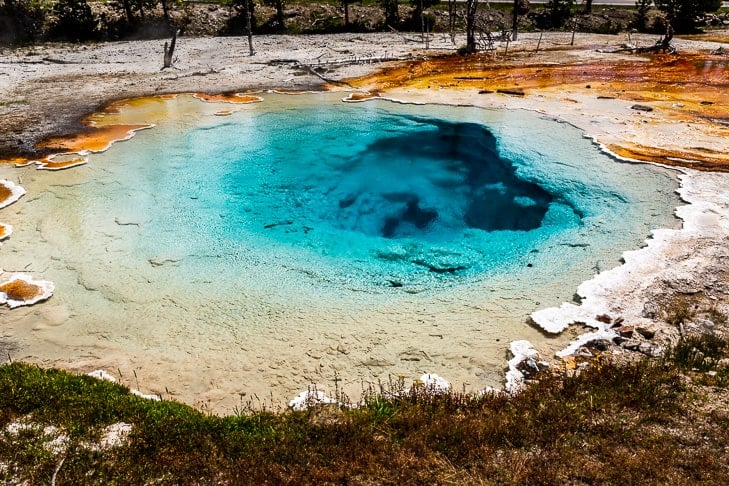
(280,16)
(166,11)
(471,26)
(515,21)
(140,7)
(249,27)
(128,11)
(588,6)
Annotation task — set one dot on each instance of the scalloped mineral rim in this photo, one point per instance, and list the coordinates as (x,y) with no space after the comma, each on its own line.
(20,289)
(9,192)
(5,231)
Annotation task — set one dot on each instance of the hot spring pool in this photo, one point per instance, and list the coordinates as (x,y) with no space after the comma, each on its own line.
(302,237)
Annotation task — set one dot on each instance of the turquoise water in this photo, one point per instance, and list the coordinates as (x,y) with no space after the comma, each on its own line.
(386,195)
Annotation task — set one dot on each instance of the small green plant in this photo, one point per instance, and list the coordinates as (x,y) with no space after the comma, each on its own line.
(679,310)
(700,352)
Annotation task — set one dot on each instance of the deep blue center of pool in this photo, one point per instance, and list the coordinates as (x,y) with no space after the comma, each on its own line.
(429,182)
(410,178)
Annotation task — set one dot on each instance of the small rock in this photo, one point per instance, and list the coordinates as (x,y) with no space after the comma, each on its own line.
(646,332)
(511,91)
(600,344)
(625,331)
(604,318)
(652,350)
(631,344)
(650,310)
(707,323)
(641,108)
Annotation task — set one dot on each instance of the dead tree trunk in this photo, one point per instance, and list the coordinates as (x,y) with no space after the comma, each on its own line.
(166,11)
(128,11)
(471,26)
(345,5)
(249,28)
(170,51)
(452,20)
(662,45)
(280,17)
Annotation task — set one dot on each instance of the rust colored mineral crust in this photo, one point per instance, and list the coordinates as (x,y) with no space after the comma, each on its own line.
(228,98)
(5,193)
(687,89)
(94,139)
(97,139)
(20,290)
(355,97)
(715,162)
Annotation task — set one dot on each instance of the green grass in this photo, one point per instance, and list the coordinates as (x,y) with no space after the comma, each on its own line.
(631,424)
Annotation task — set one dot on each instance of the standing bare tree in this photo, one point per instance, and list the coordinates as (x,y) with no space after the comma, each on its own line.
(249,27)
(170,51)
(521,7)
(452,20)
(471,26)
(126,4)
(345,6)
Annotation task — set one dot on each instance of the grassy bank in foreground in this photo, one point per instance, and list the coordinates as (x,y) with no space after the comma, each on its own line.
(660,421)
